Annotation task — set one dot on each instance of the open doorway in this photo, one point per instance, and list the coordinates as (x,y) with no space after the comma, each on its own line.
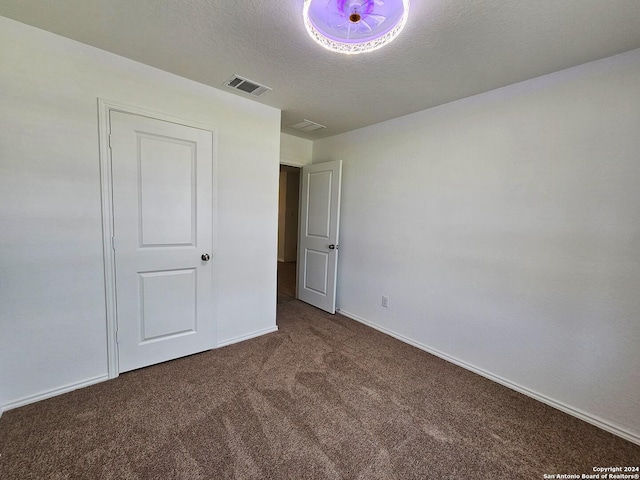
(288,203)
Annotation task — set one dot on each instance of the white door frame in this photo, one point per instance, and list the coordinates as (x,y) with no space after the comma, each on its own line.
(105,107)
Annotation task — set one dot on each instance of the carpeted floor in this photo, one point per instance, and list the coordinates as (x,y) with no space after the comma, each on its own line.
(286,281)
(324,397)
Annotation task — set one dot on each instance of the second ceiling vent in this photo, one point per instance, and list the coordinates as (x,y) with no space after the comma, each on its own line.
(307,126)
(248,86)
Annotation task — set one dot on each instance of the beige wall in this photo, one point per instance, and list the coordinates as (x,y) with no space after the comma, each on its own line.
(282,213)
(291,226)
(289,198)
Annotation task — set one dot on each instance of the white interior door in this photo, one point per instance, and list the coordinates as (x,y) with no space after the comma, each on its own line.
(162,211)
(319,228)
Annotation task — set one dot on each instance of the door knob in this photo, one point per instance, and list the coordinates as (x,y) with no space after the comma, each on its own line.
(205,257)
(332,247)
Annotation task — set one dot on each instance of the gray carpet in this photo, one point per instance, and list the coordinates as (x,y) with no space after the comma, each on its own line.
(325,398)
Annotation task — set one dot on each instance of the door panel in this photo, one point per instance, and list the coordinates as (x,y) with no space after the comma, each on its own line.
(162,205)
(320,220)
(167,304)
(316,271)
(319,204)
(167,191)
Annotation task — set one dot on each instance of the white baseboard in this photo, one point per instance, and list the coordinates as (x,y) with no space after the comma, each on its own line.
(52,393)
(90,381)
(576,412)
(248,336)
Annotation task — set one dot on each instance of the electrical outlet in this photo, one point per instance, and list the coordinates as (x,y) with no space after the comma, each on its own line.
(385,301)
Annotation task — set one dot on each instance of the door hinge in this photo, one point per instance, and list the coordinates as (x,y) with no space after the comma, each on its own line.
(109,140)
(113,243)
(117,336)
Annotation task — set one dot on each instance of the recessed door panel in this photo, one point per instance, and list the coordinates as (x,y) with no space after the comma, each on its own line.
(317,271)
(167,304)
(167,190)
(319,204)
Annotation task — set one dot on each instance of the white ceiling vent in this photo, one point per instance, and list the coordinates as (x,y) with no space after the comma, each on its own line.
(307,126)
(248,86)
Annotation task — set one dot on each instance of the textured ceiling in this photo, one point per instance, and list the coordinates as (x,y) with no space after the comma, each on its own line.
(450,49)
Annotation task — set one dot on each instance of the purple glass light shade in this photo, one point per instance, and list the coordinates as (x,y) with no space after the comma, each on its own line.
(355,26)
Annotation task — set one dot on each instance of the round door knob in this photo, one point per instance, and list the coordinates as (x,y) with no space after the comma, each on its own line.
(332,247)
(205,257)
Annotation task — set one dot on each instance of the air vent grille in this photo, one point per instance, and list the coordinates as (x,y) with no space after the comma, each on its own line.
(248,86)
(307,126)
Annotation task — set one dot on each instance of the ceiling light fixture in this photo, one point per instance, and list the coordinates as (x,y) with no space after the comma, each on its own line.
(354,26)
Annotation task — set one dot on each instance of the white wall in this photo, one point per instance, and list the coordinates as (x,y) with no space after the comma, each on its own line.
(505,228)
(52,301)
(295,151)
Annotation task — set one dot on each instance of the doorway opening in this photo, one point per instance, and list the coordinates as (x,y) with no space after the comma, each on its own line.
(288,204)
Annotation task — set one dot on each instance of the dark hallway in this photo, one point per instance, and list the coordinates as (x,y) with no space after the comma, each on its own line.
(286,281)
